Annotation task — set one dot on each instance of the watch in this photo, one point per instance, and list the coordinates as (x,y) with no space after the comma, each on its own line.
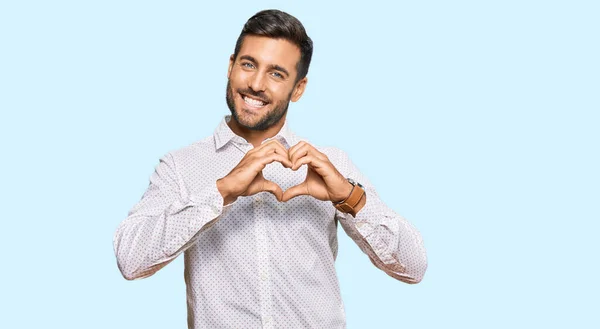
(349,204)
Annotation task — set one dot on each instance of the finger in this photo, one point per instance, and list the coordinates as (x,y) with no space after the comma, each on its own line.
(294,191)
(311,160)
(273,188)
(276,147)
(299,152)
(270,145)
(307,149)
(302,161)
(271,157)
(295,148)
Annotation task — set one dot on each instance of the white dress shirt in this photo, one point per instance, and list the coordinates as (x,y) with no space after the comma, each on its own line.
(257,262)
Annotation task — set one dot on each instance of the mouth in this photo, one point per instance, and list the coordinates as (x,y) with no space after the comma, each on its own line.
(252,102)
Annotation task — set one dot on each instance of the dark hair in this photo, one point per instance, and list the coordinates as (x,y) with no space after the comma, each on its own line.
(277,24)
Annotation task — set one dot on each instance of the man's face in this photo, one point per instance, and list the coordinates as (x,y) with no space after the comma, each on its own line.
(261,81)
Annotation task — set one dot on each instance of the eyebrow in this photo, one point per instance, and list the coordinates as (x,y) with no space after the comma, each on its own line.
(271,66)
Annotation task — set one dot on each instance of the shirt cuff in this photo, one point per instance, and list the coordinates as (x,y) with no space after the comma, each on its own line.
(206,208)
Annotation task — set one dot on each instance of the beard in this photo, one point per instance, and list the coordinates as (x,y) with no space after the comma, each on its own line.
(268,120)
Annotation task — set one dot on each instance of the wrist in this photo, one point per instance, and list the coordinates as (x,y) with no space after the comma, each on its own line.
(343,194)
(227,196)
(355,201)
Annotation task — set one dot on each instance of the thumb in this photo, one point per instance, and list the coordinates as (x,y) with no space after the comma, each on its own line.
(269,186)
(295,191)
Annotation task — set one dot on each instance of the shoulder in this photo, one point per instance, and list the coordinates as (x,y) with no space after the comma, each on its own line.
(333,153)
(193,151)
(339,158)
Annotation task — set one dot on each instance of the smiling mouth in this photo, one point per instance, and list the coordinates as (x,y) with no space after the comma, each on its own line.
(253,102)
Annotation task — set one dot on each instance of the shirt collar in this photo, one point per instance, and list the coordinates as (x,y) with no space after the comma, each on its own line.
(223,134)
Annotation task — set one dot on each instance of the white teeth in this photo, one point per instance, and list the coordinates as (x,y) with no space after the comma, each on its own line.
(253,102)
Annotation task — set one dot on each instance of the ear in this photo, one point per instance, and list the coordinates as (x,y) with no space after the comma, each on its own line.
(299,89)
(230,66)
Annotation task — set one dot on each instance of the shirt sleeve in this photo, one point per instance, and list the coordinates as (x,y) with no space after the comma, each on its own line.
(164,223)
(391,242)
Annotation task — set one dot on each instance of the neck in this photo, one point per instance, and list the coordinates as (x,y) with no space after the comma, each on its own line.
(255,137)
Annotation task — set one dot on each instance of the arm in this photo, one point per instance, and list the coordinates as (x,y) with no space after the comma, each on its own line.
(392,243)
(164,223)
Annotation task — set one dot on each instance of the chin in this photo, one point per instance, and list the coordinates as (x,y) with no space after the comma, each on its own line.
(245,119)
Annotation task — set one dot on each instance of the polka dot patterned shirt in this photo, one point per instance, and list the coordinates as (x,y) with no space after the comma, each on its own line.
(257,262)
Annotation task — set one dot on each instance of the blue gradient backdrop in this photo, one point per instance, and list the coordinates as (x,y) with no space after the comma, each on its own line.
(476,120)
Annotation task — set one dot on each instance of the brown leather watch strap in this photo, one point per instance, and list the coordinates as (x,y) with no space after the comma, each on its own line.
(349,205)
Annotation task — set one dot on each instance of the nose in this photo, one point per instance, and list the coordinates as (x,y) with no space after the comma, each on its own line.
(257,82)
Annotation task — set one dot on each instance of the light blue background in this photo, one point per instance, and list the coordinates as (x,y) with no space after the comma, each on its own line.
(476,120)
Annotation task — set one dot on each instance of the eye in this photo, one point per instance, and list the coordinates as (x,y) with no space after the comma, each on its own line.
(248,65)
(277,75)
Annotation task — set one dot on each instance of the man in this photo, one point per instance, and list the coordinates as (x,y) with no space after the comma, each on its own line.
(253,259)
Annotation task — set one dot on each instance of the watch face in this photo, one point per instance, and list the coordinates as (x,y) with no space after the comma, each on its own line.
(353,182)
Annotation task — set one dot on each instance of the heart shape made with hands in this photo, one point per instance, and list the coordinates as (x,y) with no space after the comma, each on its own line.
(323,181)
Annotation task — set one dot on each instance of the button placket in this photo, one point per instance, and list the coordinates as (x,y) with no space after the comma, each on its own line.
(262,248)
(215,210)
(268,321)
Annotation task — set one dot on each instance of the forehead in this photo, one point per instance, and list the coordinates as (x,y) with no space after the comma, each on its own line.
(269,51)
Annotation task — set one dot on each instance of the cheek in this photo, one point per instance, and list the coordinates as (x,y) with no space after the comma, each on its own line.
(279,89)
(282,92)
(237,77)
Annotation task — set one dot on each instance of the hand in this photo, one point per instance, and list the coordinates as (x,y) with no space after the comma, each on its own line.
(323,181)
(247,179)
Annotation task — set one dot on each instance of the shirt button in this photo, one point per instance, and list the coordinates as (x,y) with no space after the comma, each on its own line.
(268,319)
(263,276)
